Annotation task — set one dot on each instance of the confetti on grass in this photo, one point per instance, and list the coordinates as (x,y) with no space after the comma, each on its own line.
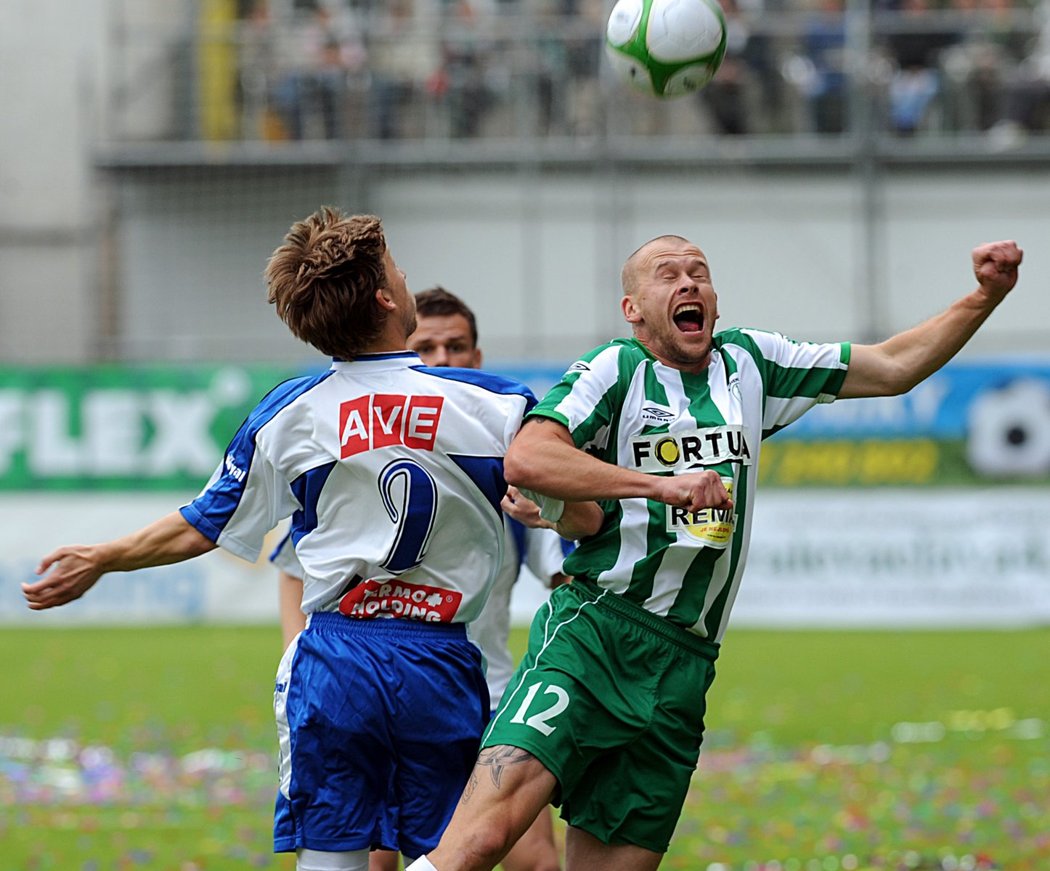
(960,799)
(61,771)
(88,808)
(931,797)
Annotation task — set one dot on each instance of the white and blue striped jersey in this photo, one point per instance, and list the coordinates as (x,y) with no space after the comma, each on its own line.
(542,551)
(392,474)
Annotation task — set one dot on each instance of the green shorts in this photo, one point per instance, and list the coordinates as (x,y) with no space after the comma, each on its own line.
(611,699)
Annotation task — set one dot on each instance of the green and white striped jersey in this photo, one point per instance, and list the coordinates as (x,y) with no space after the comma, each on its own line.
(625,407)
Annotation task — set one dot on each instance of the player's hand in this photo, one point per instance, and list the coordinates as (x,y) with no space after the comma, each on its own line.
(694,491)
(74,571)
(515,504)
(995,267)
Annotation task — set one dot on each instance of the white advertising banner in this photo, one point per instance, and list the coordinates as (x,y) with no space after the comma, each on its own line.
(819,558)
(898,558)
(216,587)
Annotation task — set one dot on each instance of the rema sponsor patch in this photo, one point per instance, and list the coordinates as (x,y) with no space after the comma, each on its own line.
(712,527)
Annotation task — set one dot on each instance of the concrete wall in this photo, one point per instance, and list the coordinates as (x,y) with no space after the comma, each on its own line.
(61,88)
(538,254)
(48,53)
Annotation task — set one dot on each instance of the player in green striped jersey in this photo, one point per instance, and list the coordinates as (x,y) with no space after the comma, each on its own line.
(654,443)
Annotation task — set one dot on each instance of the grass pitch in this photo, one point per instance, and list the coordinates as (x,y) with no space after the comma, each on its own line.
(825,751)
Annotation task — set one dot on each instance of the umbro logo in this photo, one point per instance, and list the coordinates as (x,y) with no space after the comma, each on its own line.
(579,366)
(655,415)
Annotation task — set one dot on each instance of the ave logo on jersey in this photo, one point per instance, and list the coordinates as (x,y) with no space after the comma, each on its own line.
(379,420)
(707,446)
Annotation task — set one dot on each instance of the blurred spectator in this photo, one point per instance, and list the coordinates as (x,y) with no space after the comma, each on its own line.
(583,55)
(563,64)
(1027,102)
(819,72)
(725,94)
(760,52)
(978,68)
(546,69)
(318,53)
(460,81)
(740,98)
(914,45)
(257,73)
(404,54)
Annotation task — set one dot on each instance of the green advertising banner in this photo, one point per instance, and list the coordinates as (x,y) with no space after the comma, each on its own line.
(147,428)
(157,428)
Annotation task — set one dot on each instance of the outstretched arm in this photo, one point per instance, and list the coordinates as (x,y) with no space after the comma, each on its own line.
(544,459)
(899,363)
(76,568)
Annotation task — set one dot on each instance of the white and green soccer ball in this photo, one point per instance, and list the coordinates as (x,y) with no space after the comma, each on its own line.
(668,48)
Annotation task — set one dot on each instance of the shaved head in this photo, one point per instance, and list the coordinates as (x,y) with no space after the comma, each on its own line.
(629,273)
(670,301)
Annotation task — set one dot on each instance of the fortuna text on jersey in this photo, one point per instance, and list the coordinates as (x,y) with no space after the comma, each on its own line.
(707,446)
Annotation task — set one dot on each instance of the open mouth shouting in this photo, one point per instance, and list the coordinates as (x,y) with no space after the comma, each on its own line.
(689,317)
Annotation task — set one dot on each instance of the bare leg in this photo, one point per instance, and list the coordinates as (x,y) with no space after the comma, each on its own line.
(382,860)
(584,852)
(506,791)
(536,849)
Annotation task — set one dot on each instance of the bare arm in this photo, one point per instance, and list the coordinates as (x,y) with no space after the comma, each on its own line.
(76,568)
(290,602)
(899,363)
(543,458)
(578,520)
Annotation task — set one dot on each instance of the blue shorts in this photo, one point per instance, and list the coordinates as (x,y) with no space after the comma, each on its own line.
(379,724)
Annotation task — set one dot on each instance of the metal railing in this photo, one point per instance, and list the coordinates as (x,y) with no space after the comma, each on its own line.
(971,83)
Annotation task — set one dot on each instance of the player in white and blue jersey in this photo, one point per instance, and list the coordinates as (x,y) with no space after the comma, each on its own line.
(446,335)
(392,477)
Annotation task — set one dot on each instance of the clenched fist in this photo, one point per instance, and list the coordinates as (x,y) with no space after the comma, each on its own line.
(995,266)
(694,491)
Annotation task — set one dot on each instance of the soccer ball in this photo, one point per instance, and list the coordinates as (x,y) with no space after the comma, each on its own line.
(666,47)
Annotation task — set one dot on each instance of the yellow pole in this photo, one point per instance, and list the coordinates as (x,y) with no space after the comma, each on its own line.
(217,69)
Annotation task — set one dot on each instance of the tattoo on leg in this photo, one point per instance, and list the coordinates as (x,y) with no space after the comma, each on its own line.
(468,789)
(498,758)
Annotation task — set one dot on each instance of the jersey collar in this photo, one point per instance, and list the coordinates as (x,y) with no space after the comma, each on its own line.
(385,360)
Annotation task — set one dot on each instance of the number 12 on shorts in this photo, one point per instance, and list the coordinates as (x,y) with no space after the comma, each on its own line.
(538,721)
